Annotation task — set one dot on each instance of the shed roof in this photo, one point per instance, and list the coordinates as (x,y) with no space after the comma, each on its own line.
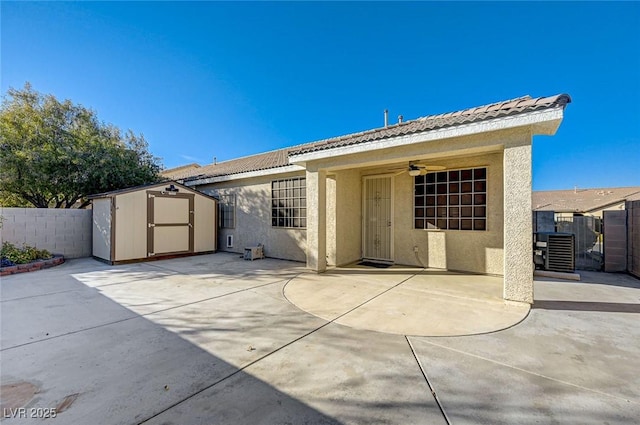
(582,200)
(280,157)
(145,187)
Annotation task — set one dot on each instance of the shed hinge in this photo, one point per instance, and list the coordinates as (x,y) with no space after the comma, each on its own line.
(152,225)
(151,254)
(151,196)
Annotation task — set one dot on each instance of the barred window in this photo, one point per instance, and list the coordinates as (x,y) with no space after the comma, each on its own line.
(227,211)
(453,200)
(289,203)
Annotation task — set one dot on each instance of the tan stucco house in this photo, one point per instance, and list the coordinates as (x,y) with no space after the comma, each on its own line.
(449,191)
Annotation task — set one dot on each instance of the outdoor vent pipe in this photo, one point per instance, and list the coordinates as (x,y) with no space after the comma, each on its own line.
(400,117)
(386,118)
(215,160)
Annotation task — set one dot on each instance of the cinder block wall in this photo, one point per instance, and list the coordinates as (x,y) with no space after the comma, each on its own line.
(60,231)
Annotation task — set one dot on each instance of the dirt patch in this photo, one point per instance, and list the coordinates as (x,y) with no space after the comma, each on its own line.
(17,395)
(66,403)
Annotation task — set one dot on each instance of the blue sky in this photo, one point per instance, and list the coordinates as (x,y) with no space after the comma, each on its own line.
(231,79)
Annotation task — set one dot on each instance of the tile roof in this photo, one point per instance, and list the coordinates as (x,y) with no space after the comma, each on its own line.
(280,158)
(172,173)
(262,161)
(582,200)
(431,122)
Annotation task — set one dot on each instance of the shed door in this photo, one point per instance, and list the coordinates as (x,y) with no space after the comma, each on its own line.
(170,223)
(377,229)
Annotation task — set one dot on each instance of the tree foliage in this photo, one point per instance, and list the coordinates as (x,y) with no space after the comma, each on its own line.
(55,154)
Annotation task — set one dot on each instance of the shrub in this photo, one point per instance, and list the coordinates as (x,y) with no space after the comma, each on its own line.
(23,255)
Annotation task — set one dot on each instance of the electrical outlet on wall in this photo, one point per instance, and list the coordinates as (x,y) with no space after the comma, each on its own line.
(415,248)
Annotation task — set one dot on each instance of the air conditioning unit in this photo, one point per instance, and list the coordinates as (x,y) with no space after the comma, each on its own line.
(555,251)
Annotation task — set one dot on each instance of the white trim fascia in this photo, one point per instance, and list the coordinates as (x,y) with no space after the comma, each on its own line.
(245,175)
(503,123)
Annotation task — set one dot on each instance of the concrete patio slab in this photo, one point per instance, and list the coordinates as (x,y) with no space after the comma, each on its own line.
(332,294)
(59,279)
(337,371)
(572,357)
(199,354)
(169,291)
(130,284)
(240,328)
(407,301)
(37,318)
(119,371)
(476,390)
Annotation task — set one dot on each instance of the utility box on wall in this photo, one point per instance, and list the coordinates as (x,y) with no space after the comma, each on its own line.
(153,221)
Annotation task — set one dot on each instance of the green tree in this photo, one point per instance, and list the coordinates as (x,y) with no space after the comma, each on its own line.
(54,154)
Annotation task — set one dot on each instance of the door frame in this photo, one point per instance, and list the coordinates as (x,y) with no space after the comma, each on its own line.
(391,177)
(151,225)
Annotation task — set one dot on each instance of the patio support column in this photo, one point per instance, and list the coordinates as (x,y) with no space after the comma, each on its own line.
(518,228)
(316,220)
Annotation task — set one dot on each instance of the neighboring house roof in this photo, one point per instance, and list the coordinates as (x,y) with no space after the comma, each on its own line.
(280,157)
(172,173)
(582,200)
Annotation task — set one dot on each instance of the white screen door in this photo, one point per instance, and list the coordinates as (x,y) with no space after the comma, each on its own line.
(377,226)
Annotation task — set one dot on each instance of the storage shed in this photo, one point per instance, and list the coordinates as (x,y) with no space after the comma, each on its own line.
(152,221)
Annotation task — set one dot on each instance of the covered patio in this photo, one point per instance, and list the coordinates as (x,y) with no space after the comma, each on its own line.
(449,191)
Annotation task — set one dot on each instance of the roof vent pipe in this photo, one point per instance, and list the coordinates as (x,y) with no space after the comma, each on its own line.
(400,118)
(215,160)
(386,118)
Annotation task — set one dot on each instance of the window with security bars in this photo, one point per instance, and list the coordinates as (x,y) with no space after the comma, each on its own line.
(289,203)
(227,211)
(451,200)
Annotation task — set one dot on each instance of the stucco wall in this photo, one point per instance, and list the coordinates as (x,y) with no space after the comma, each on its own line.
(518,265)
(503,249)
(509,191)
(595,213)
(60,231)
(616,207)
(473,251)
(348,217)
(316,223)
(331,224)
(253,219)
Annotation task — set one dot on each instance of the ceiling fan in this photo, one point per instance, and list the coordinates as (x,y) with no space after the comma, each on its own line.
(417,169)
